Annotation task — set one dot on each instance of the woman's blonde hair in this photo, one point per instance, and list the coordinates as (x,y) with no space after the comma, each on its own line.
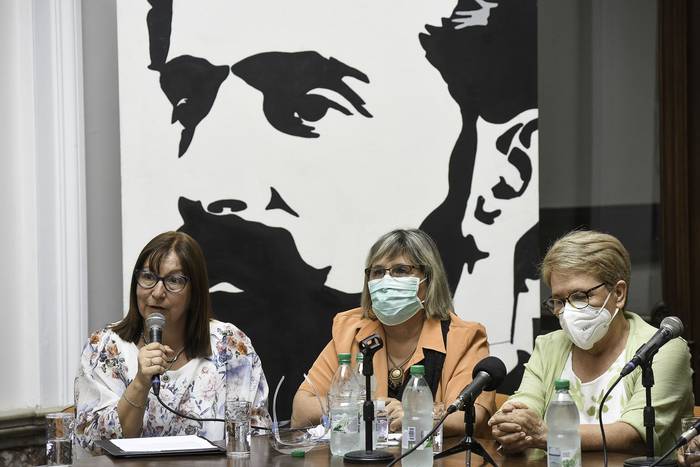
(588,252)
(420,249)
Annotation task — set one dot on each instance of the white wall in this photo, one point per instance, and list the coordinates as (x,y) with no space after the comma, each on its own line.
(42,189)
(19,276)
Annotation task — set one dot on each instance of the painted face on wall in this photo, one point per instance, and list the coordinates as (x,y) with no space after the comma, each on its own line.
(335,130)
(502,207)
(286,137)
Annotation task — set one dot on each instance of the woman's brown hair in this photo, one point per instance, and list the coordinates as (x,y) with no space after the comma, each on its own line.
(189,253)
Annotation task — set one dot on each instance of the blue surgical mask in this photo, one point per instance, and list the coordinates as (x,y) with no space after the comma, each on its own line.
(395,299)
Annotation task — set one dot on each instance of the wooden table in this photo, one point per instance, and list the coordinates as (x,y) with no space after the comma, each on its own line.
(262,454)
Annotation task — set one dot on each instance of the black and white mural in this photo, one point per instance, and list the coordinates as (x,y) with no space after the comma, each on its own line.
(287,136)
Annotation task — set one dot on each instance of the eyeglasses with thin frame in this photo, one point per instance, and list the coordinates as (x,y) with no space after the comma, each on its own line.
(578,299)
(172,282)
(398,270)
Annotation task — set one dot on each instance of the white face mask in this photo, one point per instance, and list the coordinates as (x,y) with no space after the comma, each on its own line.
(586,326)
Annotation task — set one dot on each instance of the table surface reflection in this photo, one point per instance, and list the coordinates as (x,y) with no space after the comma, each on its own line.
(263,454)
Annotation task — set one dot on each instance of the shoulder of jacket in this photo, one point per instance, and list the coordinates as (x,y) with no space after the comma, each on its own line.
(348,318)
(556,338)
(466,327)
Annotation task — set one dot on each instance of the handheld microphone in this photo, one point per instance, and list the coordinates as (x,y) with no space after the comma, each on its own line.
(486,376)
(155,322)
(671,327)
(688,435)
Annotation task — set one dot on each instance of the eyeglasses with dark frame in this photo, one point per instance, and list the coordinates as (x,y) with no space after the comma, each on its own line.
(398,270)
(578,299)
(172,282)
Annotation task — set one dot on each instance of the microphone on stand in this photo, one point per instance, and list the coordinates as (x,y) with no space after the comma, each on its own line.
(155,323)
(687,435)
(684,439)
(671,327)
(487,375)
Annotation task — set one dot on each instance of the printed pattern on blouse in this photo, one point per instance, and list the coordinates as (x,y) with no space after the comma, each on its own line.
(108,365)
(588,395)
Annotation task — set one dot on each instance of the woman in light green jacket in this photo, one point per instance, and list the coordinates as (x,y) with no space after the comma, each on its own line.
(589,275)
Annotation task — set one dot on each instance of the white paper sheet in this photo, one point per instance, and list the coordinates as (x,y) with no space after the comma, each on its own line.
(163,444)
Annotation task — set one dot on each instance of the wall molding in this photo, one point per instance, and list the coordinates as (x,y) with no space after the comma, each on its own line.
(60,174)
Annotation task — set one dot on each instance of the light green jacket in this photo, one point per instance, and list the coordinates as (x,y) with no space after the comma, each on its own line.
(672,394)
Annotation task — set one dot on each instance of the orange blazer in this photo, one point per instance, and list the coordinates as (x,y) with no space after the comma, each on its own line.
(466,346)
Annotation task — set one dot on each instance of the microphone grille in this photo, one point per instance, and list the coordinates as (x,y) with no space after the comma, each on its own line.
(674,325)
(495,368)
(155,320)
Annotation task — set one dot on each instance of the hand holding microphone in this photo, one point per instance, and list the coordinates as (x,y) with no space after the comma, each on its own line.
(152,356)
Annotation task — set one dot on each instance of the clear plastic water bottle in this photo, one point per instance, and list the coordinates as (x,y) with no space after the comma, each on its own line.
(343,400)
(563,438)
(417,402)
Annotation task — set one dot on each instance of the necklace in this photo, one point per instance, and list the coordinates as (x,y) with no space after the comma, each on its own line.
(171,361)
(396,371)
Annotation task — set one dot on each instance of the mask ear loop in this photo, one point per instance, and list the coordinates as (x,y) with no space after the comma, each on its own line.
(603,308)
(606,301)
(422,302)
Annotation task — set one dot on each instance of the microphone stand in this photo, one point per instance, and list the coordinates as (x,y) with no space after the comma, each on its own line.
(368,347)
(468,443)
(649,422)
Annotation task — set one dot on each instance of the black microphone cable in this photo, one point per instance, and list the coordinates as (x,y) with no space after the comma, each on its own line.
(197,419)
(600,420)
(430,433)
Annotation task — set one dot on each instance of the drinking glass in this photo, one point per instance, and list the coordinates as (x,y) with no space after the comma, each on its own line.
(59,438)
(438,413)
(237,428)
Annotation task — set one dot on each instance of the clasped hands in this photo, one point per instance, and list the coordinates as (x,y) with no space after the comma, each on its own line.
(394,412)
(516,428)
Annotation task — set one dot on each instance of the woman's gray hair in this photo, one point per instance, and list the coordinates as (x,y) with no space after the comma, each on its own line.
(420,249)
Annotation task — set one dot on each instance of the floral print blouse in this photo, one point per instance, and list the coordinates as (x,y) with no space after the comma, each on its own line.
(108,364)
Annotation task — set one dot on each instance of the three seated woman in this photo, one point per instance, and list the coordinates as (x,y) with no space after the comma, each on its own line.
(407,302)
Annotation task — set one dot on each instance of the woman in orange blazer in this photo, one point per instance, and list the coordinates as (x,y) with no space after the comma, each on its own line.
(407,302)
